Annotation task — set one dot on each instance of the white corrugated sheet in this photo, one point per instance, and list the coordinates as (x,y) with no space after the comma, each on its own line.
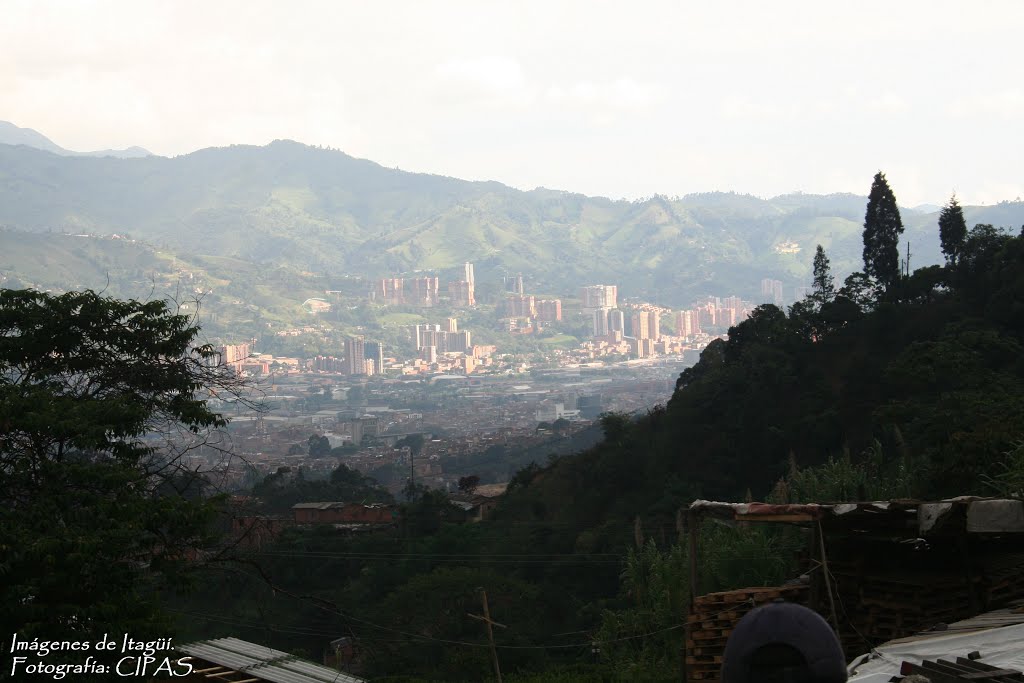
(268,664)
(1000,647)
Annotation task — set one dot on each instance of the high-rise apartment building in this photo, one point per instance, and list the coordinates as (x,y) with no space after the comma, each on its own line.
(599,296)
(460,341)
(424,335)
(687,323)
(549,310)
(390,291)
(608,321)
(461,293)
(441,340)
(520,306)
(616,321)
(771,291)
(645,324)
(707,315)
(355,359)
(451,325)
(422,291)
(327,364)
(513,283)
(374,352)
(234,353)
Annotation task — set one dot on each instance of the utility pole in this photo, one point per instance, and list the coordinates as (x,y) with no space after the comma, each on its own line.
(486,618)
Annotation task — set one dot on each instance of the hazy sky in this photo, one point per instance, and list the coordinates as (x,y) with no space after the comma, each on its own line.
(623,99)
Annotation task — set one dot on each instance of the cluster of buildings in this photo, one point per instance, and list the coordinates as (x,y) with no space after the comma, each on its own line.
(524,313)
(634,329)
(519,304)
(439,347)
(528,306)
(424,292)
(713,312)
(240,360)
(771,291)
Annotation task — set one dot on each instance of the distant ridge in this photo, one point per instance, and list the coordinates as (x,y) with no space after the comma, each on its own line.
(11,134)
(322,211)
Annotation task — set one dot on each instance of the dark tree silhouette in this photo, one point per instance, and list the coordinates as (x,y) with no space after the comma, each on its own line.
(96,511)
(952,230)
(824,284)
(882,229)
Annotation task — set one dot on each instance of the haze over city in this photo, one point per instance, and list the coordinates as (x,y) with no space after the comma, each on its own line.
(667,98)
(673,342)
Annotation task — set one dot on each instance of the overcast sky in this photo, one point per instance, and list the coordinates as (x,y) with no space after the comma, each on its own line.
(622,99)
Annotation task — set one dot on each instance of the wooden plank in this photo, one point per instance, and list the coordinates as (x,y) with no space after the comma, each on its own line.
(792,517)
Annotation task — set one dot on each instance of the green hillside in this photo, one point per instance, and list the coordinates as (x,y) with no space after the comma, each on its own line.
(917,393)
(322,211)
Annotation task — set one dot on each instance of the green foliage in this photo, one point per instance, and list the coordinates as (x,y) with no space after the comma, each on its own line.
(952,230)
(882,229)
(92,520)
(841,480)
(281,490)
(426,509)
(860,289)
(432,608)
(823,289)
(469,484)
(414,442)
(656,587)
(740,557)
(319,446)
(1007,478)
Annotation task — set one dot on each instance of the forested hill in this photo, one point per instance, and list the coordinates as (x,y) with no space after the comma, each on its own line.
(323,211)
(916,393)
(891,387)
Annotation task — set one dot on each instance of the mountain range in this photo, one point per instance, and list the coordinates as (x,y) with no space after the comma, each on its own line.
(11,134)
(322,211)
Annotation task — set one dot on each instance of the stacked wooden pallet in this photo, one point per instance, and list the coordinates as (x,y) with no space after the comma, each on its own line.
(714,616)
(877,608)
(1004,580)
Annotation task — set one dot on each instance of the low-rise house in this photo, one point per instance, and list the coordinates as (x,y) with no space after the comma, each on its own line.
(343,513)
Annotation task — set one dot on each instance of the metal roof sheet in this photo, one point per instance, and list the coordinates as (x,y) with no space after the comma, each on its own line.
(264,662)
(979,515)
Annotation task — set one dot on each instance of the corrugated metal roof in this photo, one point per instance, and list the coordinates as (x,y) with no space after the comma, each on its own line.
(967,513)
(264,662)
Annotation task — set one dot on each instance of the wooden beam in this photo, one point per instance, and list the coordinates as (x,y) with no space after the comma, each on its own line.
(790,518)
(828,580)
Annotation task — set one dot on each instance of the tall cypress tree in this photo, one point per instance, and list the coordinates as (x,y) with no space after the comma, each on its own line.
(824,288)
(952,230)
(882,229)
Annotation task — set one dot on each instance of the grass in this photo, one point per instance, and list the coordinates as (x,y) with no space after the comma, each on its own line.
(560,340)
(398,319)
